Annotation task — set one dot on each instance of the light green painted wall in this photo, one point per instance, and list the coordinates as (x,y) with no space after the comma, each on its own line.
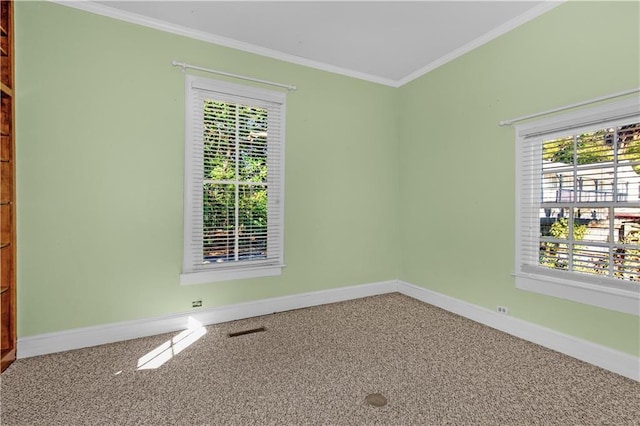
(457,165)
(100,163)
(100,173)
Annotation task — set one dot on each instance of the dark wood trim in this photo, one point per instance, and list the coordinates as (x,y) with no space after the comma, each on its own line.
(8,335)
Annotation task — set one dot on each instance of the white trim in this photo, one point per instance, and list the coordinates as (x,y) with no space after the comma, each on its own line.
(134,18)
(610,359)
(483,39)
(228,274)
(108,333)
(590,294)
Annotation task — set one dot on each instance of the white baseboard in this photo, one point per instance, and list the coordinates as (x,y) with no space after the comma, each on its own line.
(601,356)
(618,362)
(108,333)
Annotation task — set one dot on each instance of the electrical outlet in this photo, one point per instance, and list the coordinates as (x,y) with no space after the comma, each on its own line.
(196,304)
(503,310)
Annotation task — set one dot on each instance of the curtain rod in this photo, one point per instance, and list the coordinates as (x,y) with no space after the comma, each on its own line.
(579,104)
(227,74)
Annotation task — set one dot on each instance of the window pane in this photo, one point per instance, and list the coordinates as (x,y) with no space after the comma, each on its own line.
(555,227)
(629,163)
(628,188)
(627,263)
(566,191)
(595,185)
(558,187)
(627,266)
(252,234)
(547,218)
(627,225)
(591,259)
(629,160)
(553,255)
(218,222)
(591,224)
(219,140)
(595,147)
(557,153)
(253,144)
(627,221)
(627,248)
(550,187)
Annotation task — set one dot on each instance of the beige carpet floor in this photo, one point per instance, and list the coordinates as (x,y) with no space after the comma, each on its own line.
(316,366)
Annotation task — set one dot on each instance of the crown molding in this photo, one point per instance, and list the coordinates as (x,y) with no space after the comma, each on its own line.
(483,39)
(100,9)
(133,18)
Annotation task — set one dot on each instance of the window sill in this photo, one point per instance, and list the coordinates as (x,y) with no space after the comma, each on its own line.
(619,300)
(229,274)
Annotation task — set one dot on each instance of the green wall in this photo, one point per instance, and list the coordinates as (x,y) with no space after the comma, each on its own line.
(413,183)
(100,118)
(457,165)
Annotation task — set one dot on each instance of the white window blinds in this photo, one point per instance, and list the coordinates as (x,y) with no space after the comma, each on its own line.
(234,186)
(578,199)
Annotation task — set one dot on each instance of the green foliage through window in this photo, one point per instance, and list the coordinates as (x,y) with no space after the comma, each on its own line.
(235,188)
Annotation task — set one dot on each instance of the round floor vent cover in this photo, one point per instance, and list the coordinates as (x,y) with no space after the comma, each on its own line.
(376,400)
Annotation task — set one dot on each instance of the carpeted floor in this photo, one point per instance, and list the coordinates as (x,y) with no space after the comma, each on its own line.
(317,366)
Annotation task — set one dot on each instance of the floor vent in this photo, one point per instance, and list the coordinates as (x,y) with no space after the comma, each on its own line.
(250,331)
(376,400)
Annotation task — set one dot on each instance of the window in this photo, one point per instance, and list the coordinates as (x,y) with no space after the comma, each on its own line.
(234,186)
(578,206)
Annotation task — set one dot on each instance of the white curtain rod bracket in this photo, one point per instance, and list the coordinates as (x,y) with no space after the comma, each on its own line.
(566,107)
(227,74)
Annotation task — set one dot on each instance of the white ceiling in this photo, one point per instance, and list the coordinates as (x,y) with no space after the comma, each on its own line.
(389,42)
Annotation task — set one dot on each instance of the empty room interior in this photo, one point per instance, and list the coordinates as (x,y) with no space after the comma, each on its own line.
(320,213)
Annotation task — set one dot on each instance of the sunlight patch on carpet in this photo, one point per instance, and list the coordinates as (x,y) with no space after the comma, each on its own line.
(163,353)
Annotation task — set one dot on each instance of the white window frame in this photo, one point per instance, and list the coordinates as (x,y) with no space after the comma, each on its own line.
(605,292)
(193,270)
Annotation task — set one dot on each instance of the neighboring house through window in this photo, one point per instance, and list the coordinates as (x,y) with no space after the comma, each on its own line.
(578,206)
(234,181)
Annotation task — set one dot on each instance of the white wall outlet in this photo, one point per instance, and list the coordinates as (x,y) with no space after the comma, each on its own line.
(503,310)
